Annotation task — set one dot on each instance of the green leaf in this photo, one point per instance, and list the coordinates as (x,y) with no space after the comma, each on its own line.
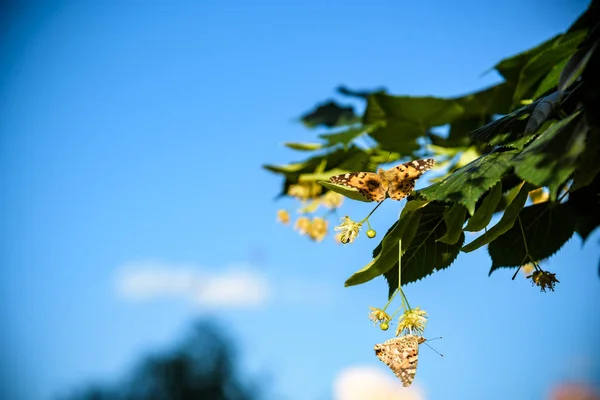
(425,255)
(547,227)
(329,114)
(508,130)
(362,94)
(386,253)
(575,67)
(588,166)
(541,63)
(350,160)
(399,136)
(467,184)
(401,120)
(422,111)
(347,191)
(496,99)
(585,204)
(345,137)
(506,222)
(454,219)
(479,108)
(304,146)
(551,79)
(510,68)
(552,157)
(485,211)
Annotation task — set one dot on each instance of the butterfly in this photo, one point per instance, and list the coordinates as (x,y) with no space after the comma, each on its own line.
(401,354)
(396,183)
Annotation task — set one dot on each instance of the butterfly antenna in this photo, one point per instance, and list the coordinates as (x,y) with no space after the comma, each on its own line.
(428,340)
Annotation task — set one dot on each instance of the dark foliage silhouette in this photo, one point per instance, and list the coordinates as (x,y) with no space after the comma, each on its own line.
(201,367)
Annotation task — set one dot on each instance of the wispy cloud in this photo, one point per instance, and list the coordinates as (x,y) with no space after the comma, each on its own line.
(235,287)
(366,382)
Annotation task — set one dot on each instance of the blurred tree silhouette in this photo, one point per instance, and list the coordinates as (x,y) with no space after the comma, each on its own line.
(202,367)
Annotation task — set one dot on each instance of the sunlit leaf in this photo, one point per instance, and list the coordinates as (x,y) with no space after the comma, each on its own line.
(350,160)
(540,64)
(550,81)
(485,211)
(454,219)
(304,146)
(467,184)
(552,157)
(347,191)
(506,222)
(510,68)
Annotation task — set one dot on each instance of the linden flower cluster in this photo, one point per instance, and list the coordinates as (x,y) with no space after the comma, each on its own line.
(316,229)
(305,190)
(309,194)
(378,316)
(543,279)
(412,322)
(348,230)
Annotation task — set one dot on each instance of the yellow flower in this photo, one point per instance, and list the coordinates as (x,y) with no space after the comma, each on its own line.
(543,279)
(283,216)
(305,190)
(378,315)
(412,321)
(318,229)
(302,225)
(332,199)
(348,229)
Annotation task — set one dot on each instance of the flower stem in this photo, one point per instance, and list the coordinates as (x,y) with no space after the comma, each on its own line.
(525,240)
(390,300)
(404,299)
(515,275)
(372,211)
(400,265)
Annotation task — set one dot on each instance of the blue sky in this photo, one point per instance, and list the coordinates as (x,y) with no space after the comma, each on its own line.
(131,139)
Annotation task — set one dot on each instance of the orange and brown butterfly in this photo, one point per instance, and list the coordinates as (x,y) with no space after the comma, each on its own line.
(401,354)
(395,183)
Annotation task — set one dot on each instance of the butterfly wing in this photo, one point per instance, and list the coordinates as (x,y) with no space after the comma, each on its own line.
(402,177)
(402,356)
(369,184)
